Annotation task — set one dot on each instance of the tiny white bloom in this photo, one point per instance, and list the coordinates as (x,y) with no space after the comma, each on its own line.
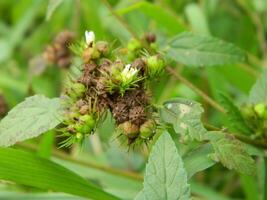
(89,37)
(128,73)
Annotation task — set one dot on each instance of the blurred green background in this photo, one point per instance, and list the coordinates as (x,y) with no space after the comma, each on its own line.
(28,26)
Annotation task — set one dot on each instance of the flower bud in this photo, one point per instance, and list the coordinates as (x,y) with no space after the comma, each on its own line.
(259,109)
(147,130)
(88,120)
(155,66)
(129,129)
(134,45)
(78,89)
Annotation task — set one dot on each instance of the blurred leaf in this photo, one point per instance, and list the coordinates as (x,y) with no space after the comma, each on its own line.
(193,50)
(31,170)
(165,176)
(185,116)
(249,185)
(234,115)
(162,16)
(46,144)
(198,160)
(231,153)
(258,92)
(34,116)
(52,6)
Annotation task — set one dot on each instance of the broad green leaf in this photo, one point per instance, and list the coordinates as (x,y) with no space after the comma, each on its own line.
(185,116)
(31,170)
(34,116)
(193,50)
(234,115)
(165,176)
(258,92)
(162,16)
(198,160)
(52,6)
(231,153)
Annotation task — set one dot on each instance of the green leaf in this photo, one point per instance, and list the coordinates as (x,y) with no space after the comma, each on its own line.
(34,116)
(52,6)
(31,170)
(165,176)
(193,50)
(185,116)
(163,17)
(231,153)
(258,92)
(198,160)
(234,115)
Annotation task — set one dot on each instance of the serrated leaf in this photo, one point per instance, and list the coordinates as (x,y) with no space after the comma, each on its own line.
(193,50)
(165,176)
(164,18)
(258,92)
(231,153)
(185,116)
(32,117)
(31,170)
(234,115)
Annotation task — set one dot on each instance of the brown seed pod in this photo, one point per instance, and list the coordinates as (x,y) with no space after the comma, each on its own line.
(150,37)
(129,129)
(58,52)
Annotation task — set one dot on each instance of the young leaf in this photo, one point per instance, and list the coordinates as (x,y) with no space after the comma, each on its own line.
(193,50)
(165,176)
(231,153)
(258,92)
(234,115)
(34,116)
(185,116)
(31,170)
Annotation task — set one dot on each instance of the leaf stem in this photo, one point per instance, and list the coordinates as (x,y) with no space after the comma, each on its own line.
(245,139)
(209,100)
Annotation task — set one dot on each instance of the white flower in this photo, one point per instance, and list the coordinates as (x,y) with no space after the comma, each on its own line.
(128,73)
(89,37)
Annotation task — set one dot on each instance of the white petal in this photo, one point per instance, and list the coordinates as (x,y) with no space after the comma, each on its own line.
(89,37)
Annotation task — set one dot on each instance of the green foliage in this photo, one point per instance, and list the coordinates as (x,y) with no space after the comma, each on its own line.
(34,116)
(193,50)
(31,170)
(184,115)
(165,176)
(234,115)
(231,153)
(52,6)
(258,92)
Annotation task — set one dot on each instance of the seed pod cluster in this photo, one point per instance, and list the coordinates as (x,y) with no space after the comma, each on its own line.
(115,82)
(256,116)
(58,52)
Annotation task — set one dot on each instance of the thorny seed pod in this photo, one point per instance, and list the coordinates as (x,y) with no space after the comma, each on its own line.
(129,129)
(155,66)
(147,129)
(58,52)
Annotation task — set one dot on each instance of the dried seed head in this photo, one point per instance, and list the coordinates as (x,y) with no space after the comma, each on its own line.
(137,115)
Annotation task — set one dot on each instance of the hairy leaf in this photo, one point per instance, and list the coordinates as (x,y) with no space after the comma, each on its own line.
(165,176)
(31,170)
(258,92)
(231,153)
(185,116)
(34,116)
(193,50)
(234,115)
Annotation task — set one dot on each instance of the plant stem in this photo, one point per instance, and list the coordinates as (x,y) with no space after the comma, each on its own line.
(245,139)
(209,100)
(110,170)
